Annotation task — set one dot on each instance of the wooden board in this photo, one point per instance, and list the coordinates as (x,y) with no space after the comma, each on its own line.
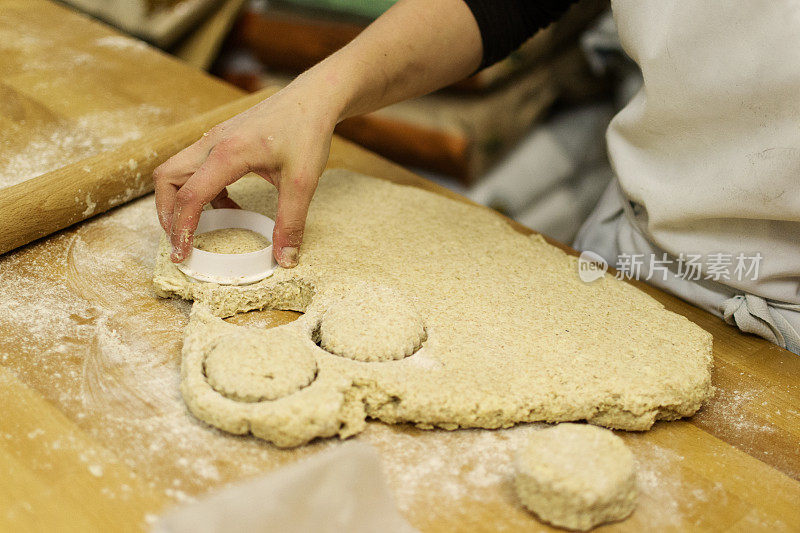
(70,87)
(94,436)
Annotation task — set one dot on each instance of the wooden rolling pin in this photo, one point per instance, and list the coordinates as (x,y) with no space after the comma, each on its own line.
(45,204)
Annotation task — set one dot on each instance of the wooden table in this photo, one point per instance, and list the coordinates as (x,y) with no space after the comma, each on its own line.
(94,436)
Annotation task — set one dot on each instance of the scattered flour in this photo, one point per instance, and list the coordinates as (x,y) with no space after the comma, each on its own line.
(121,42)
(69,141)
(90,205)
(108,354)
(453,465)
(741,416)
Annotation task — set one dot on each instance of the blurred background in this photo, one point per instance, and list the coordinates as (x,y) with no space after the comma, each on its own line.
(525,136)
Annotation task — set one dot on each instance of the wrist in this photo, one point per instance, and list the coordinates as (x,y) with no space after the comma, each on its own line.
(326,91)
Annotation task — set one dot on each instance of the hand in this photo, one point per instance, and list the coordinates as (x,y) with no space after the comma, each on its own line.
(285,139)
(417,46)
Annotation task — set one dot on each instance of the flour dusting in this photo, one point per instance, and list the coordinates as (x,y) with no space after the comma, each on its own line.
(121,42)
(55,146)
(96,342)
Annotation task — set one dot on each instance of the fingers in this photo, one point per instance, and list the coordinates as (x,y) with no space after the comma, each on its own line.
(223,166)
(294,196)
(165,198)
(172,173)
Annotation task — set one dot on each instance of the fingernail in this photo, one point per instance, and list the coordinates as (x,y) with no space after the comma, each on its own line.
(288,257)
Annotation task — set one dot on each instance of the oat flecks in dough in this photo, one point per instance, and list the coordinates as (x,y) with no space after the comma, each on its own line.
(371,323)
(242,367)
(576,476)
(512,333)
(230,241)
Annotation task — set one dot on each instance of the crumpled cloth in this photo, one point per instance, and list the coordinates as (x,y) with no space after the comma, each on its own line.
(339,490)
(761,317)
(611,229)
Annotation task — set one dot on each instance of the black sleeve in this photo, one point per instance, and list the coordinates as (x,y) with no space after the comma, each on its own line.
(506,24)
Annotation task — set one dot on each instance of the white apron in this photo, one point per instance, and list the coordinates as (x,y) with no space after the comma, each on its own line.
(707,159)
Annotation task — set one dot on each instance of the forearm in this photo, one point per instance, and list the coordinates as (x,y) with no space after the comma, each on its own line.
(416,47)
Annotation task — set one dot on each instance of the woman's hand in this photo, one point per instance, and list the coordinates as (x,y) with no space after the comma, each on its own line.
(417,46)
(285,139)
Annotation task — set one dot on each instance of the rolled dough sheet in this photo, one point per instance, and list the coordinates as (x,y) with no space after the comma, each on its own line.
(511,334)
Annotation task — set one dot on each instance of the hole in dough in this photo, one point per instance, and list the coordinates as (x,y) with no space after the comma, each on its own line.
(250,367)
(230,241)
(371,323)
(264,319)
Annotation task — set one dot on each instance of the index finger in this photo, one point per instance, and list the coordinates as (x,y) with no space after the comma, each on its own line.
(219,170)
(170,175)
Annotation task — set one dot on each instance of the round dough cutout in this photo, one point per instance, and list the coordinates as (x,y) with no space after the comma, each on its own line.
(576,476)
(371,323)
(247,367)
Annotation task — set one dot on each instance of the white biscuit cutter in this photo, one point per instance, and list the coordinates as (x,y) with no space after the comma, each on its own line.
(231,269)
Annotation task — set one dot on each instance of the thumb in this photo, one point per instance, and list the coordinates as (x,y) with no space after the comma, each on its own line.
(295,191)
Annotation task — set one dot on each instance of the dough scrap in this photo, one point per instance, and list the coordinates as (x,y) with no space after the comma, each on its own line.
(576,476)
(371,323)
(241,367)
(512,333)
(230,241)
